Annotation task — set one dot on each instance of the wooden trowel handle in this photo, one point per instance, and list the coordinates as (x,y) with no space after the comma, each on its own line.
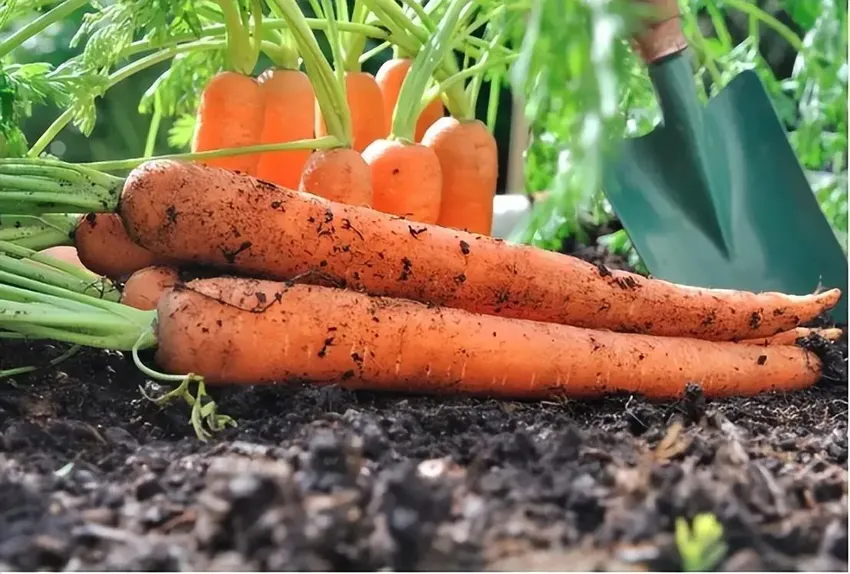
(662,35)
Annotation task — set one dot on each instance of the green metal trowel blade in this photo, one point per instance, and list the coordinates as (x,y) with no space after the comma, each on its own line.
(716,197)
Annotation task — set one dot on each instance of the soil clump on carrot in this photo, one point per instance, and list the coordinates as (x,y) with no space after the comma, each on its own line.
(94,476)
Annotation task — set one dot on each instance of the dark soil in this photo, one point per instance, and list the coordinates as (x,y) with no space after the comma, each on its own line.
(95,477)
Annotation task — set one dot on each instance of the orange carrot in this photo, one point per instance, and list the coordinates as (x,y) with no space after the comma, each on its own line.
(389,77)
(367,114)
(214,217)
(790,337)
(250,331)
(231,110)
(144,287)
(340,175)
(469,162)
(105,248)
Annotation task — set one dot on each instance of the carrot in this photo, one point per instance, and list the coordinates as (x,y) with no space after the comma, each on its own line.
(406,177)
(791,337)
(363,97)
(289,116)
(340,173)
(469,162)
(144,287)
(231,111)
(249,331)
(105,248)
(217,218)
(389,77)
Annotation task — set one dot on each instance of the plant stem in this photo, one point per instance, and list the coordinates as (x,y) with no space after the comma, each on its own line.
(457,79)
(754,11)
(118,76)
(239,46)
(326,142)
(34,232)
(409,104)
(329,92)
(156,119)
(60,12)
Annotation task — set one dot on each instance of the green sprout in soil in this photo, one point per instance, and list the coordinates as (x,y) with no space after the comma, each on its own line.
(700,544)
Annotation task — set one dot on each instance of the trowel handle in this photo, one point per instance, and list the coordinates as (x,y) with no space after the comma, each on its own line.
(663,34)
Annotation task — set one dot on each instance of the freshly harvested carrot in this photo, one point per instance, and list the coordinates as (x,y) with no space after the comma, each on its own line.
(469,161)
(389,77)
(327,335)
(145,287)
(790,337)
(105,248)
(214,217)
(231,110)
(363,97)
(406,176)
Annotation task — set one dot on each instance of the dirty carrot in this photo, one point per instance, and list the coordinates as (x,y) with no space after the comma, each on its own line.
(260,229)
(338,173)
(198,214)
(145,287)
(288,98)
(248,331)
(231,110)
(406,176)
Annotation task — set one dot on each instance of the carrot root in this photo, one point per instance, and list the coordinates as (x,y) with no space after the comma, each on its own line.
(252,331)
(145,287)
(227,221)
(790,337)
(105,248)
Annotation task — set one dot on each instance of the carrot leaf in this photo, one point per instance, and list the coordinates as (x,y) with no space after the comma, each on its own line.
(409,106)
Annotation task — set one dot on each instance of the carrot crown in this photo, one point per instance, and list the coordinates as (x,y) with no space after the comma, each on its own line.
(409,104)
(330,91)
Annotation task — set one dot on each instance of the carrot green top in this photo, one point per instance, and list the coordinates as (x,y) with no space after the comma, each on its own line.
(409,104)
(243,51)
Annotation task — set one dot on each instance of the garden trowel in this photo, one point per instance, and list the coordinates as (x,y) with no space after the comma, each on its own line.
(715,196)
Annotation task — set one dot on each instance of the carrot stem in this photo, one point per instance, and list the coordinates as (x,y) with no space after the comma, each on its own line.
(326,142)
(38,232)
(239,46)
(330,93)
(409,104)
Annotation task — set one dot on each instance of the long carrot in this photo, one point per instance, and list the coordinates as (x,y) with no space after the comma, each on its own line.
(406,177)
(248,331)
(231,109)
(211,216)
(242,224)
(362,93)
(288,97)
(339,174)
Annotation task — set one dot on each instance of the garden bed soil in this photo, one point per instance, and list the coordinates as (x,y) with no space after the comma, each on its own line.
(93,476)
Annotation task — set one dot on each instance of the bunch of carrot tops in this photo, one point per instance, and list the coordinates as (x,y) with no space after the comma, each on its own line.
(331,226)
